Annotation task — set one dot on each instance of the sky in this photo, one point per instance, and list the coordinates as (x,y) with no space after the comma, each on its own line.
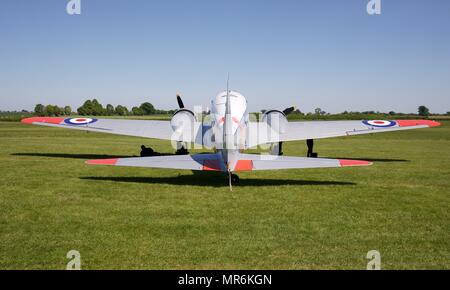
(316,53)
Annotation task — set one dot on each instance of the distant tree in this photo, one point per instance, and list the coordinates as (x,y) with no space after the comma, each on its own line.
(91,108)
(39,110)
(423,111)
(391,113)
(49,110)
(263,111)
(448,113)
(109,110)
(136,111)
(97,108)
(57,111)
(121,110)
(319,111)
(86,108)
(147,108)
(67,110)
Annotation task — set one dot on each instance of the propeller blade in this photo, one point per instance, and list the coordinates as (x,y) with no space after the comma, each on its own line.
(289,110)
(180,102)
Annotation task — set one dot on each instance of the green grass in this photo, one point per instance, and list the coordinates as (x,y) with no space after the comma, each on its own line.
(133,218)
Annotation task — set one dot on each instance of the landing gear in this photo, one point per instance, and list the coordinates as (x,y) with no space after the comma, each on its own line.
(234,179)
(147,151)
(280,151)
(181,149)
(310,144)
(277,149)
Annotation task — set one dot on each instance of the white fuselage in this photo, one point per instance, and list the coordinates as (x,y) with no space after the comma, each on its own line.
(229,125)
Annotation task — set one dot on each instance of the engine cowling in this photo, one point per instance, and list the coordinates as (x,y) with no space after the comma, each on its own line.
(183,121)
(276,120)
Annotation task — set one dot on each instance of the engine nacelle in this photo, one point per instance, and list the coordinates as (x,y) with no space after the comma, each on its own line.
(276,120)
(183,121)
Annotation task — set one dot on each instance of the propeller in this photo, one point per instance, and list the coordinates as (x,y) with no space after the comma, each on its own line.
(277,149)
(180,101)
(181,146)
(289,110)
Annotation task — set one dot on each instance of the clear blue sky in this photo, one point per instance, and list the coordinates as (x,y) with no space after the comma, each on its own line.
(317,53)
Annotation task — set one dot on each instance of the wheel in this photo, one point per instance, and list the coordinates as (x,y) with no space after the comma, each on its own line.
(234,179)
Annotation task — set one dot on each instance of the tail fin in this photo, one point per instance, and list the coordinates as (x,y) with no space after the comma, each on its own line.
(227,125)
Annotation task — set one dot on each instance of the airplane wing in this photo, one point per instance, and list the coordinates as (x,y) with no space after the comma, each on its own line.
(326,129)
(248,162)
(212,162)
(138,128)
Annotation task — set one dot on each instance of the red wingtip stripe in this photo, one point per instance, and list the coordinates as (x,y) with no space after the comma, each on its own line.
(407,123)
(51,120)
(347,162)
(112,161)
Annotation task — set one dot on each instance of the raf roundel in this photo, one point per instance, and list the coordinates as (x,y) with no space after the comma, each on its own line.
(379,123)
(79,121)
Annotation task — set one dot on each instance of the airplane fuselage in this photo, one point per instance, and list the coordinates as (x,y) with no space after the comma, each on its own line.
(229,125)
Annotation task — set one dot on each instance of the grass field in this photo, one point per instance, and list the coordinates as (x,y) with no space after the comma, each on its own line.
(134,218)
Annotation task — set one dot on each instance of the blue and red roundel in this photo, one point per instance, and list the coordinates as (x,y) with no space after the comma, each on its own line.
(379,123)
(79,121)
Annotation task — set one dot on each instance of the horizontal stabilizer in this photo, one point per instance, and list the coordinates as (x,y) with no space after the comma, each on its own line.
(270,162)
(192,162)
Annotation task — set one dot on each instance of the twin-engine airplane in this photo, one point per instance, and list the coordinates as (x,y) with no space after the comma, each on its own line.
(229,132)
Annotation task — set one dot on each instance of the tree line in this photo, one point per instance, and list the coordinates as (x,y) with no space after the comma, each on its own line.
(52,110)
(421,111)
(95,108)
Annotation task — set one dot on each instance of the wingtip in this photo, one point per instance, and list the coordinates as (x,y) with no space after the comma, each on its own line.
(435,124)
(407,123)
(27,121)
(51,120)
(111,161)
(348,162)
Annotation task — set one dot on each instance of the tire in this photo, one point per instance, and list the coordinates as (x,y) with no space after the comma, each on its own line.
(234,179)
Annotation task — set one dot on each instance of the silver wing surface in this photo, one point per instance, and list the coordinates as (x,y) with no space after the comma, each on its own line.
(137,128)
(261,133)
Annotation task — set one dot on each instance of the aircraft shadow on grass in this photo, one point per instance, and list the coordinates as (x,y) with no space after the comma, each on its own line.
(214,179)
(198,178)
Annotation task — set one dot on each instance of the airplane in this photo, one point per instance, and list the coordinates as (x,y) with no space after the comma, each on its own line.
(229,132)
